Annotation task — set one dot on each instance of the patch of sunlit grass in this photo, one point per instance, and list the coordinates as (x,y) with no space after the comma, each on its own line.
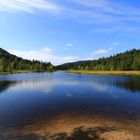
(105,72)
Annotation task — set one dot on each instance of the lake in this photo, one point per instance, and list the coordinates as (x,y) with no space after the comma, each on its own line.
(60,105)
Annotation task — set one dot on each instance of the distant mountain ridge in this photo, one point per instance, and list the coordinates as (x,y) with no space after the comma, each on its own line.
(129,60)
(12,63)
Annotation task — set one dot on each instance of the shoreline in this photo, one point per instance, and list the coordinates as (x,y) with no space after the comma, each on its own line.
(20,72)
(92,72)
(133,73)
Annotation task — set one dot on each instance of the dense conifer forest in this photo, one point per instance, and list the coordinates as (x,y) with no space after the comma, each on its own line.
(129,60)
(12,63)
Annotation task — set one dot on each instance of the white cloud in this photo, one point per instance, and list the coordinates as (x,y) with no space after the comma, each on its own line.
(101,51)
(47,50)
(29,6)
(69,45)
(101,12)
(116,17)
(111,48)
(107,7)
(114,14)
(92,11)
(115,43)
(45,55)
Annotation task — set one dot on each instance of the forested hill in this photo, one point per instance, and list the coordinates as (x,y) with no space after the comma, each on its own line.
(129,60)
(12,63)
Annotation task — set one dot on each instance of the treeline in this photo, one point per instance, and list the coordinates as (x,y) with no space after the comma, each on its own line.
(12,63)
(129,60)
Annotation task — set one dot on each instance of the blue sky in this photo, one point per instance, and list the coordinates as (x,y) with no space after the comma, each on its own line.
(62,31)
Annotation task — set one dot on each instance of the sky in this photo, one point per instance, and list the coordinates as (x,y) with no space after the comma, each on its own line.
(60,31)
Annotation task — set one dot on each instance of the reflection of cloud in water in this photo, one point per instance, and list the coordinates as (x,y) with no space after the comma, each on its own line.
(47,85)
(80,104)
(68,94)
(41,85)
(35,85)
(97,86)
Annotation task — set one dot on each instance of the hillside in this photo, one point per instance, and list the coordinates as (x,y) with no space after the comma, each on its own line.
(12,63)
(129,60)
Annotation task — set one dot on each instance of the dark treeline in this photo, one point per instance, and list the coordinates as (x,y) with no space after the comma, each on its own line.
(12,63)
(129,60)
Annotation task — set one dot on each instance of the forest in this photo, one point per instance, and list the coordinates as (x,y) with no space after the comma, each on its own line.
(12,63)
(129,60)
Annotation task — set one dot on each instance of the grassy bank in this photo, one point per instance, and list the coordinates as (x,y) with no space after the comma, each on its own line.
(14,72)
(21,71)
(105,72)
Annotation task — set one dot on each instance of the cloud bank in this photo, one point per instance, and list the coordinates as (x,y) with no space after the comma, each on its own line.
(29,6)
(45,55)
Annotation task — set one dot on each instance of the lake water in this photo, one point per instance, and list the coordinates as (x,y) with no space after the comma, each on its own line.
(34,104)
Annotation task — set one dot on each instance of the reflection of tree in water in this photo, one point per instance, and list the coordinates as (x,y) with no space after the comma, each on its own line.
(131,84)
(5,85)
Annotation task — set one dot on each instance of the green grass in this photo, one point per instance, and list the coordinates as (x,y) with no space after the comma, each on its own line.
(21,71)
(14,72)
(105,72)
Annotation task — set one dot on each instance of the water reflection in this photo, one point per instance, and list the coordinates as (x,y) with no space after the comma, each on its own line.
(34,85)
(6,84)
(129,83)
(46,82)
(38,103)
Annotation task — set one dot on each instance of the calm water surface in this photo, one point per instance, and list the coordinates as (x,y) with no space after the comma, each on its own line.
(27,98)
